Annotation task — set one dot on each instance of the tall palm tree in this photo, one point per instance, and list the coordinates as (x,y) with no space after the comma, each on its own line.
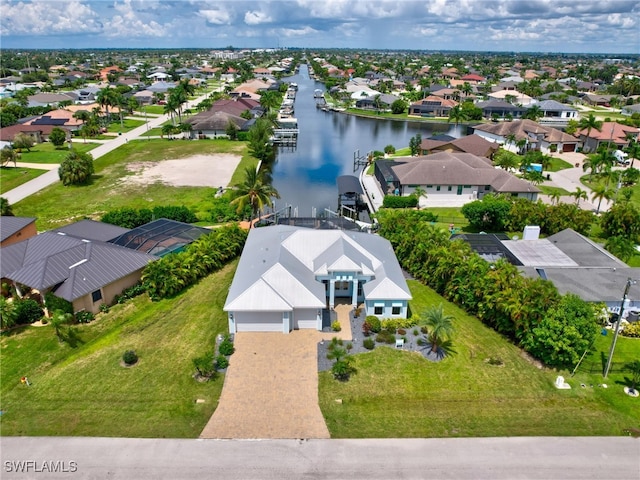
(466,88)
(601,192)
(254,191)
(440,327)
(589,123)
(579,194)
(457,114)
(633,149)
(534,112)
(107,97)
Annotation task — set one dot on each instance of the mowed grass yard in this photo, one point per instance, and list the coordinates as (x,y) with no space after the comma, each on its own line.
(401,394)
(84,391)
(58,205)
(12,177)
(47,153)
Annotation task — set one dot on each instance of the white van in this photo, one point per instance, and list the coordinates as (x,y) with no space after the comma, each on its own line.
(621,157)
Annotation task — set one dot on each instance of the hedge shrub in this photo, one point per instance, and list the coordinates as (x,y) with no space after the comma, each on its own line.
(27,311)
(393,201)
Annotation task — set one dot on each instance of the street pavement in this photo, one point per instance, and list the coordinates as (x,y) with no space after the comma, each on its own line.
(544,458)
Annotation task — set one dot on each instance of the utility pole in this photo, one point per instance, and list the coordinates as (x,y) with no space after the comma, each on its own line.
(617,325)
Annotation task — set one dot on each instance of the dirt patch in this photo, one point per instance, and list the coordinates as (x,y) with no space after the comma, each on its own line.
(196,171)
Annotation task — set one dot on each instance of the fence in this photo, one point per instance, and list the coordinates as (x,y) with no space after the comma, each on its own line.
(598,367)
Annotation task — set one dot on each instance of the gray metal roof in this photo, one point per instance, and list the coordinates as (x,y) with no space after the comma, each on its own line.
(279,264)
(590,284)
(349,184)
(583,251)
(70,266)
(10,225)
(92,230)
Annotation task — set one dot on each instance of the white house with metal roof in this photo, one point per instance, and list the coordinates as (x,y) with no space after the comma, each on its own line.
(287,277)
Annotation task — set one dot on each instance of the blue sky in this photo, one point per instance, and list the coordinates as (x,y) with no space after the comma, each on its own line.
(589,26)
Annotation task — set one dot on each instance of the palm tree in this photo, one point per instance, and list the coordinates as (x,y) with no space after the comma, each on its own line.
(254,191)
(579,194)
(554,196)
(633,149)
(440,327)
(467,89)
(534,112)
(8,155)
(457,114)
(601,192)
(420,193)
(589,123)
(107,97)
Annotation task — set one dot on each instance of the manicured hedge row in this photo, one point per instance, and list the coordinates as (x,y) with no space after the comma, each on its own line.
(132,218)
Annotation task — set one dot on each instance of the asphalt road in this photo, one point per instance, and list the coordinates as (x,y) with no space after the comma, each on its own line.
(615,458)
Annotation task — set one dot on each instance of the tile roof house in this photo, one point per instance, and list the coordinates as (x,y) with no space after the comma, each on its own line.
(499,108)
(288,276)
(518,97)
(537,137)
(432,106)
(613,132)
(555,113)
(85,272)
(474,144)
(449,178)
(212,124)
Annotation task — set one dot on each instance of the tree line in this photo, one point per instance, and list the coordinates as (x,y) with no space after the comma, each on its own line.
(554,328)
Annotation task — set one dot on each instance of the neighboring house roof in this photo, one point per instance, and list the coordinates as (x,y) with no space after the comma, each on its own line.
(92,230)
(496,104)
(234,106)
(456,168)
(469,144)
(160,237)
(521,98)
(436,101)
(68,265)
(553,106)
(279,267)
(214,121)
(7,133)
(161,86)
(525,130)
(49,98)
(349,184)
(10,225)
(611,131)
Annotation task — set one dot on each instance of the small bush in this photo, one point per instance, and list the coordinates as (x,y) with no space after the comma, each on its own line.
(392,201)
(357,312)
(226,347)
(27,311)
(84,316)
(416,332)
(632,330)
(104,308)
(221,362)
(374,323)
(366,329)
(335,326)
(386,337)
(204,365)
(342,370)
(424,330)
(349,346)
(402,331)
(54,303)
(368,343)
(421,342)
(129,357)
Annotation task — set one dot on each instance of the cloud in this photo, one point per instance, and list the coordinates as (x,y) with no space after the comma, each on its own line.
(216,16)
(27,18)
(256,18)
(127,23)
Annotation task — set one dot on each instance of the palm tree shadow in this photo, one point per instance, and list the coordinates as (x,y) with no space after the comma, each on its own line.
(439,353)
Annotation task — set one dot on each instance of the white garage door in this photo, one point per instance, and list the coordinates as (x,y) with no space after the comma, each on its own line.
(305,318)
(258,322)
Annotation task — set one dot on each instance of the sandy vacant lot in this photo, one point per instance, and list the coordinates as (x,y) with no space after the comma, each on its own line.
(196,171)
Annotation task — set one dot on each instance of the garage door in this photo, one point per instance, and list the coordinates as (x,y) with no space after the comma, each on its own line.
(258,322)
(568,147)
(305,318)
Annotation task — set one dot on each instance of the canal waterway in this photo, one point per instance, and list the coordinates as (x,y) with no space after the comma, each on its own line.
(305,176)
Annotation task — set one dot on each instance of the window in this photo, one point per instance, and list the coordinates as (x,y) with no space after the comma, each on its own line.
(449,188)
(377,310)
(429,186)
(96,296)
(437,188)
(487,188)
(360,291)
(466,186)
(395,310)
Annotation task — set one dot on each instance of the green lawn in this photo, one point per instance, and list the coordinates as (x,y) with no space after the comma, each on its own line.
(401,394)
(128,124)
(59,205)
(558,164)
(547,190)
(591,183)
(84,391)
(12,177)
(155,109)
(47,153)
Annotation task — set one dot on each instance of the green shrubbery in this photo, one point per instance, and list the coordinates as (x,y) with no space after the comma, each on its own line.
(226,346)
(632,330)
(393,201)
(386,336)
(26,311)
(132,217)
(373,324)
(529,311)
(173,273)
(129,357)
(204,365)
(369,343)
(335,326)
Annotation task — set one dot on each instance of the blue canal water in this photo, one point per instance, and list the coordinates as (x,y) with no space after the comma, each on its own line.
(305,176)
